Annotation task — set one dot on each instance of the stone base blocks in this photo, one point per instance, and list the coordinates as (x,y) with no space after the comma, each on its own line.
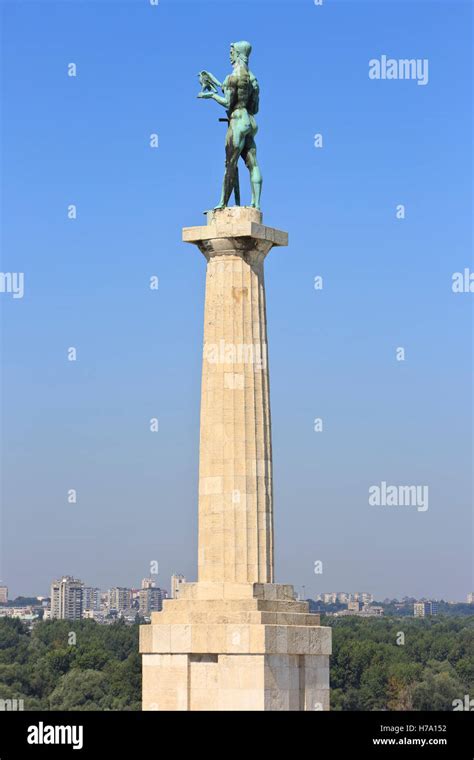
(224,646)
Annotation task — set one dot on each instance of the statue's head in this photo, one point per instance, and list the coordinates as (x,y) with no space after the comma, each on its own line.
(240,51)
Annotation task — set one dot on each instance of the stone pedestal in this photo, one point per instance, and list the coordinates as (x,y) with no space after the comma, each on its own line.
(226,646)
(235,640)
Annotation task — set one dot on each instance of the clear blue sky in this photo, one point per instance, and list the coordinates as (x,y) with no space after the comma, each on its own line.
(387,283)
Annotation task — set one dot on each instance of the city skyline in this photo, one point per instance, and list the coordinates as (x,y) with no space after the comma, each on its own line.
(74,600)
(315,595)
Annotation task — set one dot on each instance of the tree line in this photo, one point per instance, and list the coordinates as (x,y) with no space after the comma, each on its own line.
(401,663)
(377,664)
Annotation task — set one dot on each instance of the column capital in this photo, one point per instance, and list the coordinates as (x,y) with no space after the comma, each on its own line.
(236,223)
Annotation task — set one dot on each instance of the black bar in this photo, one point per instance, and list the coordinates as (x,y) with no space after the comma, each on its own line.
(445,734)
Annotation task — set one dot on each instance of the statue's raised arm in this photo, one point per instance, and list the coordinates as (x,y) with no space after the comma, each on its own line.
(240,98)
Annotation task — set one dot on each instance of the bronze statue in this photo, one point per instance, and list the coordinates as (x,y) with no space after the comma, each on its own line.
(241,100)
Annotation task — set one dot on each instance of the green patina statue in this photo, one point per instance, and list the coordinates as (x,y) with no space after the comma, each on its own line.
(240,99)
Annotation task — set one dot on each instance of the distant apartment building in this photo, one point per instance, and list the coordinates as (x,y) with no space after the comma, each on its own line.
(3,594)
(176,581)
(369,610)
(470,598)
(119,599)
(96,615)
(26,614)
(66,598)
(91,598)
(129,616)
(425,609)
(329,598)
(151,600)
(421,609)
(362,596)
(359,610)
(148,583)
(343,597)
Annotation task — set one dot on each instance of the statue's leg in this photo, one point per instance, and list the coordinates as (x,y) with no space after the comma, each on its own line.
(233,147)
(237,186)
(249,154)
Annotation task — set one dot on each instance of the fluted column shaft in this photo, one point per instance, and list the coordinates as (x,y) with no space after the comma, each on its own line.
(235,465)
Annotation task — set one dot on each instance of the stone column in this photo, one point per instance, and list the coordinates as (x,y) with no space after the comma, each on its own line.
(235,640)
(235,468)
